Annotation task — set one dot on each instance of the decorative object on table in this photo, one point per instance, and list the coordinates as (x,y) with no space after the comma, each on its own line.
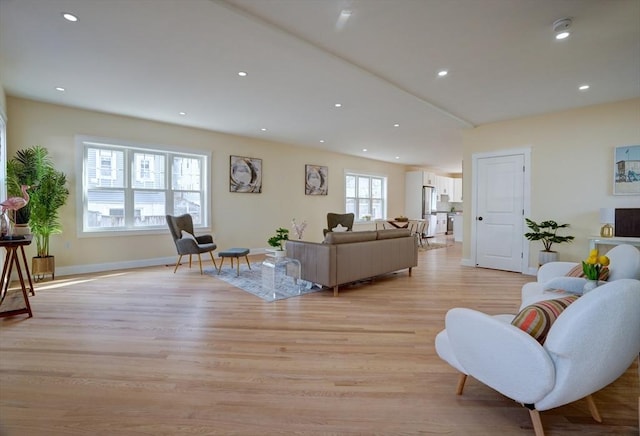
(595,268)
(48,192)
(366,217)
(316,180)
(13,204)
(277,240)
(245,174)
(546,232)
(607,218)
(250,280)
(401,219)
(298,228)
(626,170)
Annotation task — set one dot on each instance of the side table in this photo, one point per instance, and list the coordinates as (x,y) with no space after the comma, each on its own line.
(278,272)
(9,302)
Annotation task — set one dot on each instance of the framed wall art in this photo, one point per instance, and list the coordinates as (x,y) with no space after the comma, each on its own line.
(626,170)
(316,180)
(245,174)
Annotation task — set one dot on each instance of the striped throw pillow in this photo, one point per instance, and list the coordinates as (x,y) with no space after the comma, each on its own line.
(577,271)
(537,319)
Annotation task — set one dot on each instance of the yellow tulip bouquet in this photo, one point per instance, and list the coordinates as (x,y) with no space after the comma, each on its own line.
(595,266)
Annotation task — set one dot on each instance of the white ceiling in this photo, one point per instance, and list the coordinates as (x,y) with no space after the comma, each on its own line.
(154,58)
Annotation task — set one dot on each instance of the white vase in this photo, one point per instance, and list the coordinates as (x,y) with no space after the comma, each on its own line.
(547,256)
(589,286)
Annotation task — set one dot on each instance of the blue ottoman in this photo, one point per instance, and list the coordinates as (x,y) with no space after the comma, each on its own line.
(234,253)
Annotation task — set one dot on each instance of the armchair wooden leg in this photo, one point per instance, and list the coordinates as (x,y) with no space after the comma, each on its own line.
(247,259)
(593,409)
(177,264)
(335,291)
(213,260)
(537,422)
(189,261)
(200,263)
(461,381)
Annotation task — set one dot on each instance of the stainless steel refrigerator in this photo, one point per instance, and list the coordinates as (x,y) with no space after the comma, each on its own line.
(429,199)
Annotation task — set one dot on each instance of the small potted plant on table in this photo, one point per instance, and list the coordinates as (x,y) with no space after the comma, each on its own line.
(277,240)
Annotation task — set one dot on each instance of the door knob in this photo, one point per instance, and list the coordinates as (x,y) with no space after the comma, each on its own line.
(479,218)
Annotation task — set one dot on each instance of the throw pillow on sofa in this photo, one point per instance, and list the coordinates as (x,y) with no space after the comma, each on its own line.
(537,319)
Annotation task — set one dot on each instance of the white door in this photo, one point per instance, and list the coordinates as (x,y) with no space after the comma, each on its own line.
(499,214)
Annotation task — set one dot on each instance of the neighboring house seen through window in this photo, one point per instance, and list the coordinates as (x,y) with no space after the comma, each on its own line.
(132,188)
(366,196)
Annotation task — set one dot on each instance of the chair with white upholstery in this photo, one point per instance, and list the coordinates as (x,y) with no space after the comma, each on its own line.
(590,344)
(551,277)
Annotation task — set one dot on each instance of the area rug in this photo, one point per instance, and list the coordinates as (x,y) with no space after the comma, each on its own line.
(433,246)
(250,280)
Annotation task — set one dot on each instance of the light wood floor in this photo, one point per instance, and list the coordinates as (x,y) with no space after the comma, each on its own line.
(149,352)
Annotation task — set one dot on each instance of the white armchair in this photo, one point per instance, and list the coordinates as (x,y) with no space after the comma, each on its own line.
(589,346)
(624,264)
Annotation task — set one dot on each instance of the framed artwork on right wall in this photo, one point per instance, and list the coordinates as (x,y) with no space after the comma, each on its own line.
(626,170)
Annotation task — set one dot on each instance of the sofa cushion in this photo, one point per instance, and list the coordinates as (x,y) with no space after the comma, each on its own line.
(393,233)
(349,237)
(537,319)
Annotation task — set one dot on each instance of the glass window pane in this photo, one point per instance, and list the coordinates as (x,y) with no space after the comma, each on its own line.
(105,208)
(363,187)
(377,209)
(148,171)
(148,208)
(376,188)
(363,208)
(188,202)
(350,186)
(350,205)
(186,173)
(105,168)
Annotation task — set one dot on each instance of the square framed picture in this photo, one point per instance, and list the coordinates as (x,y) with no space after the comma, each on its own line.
(316,180)
(245,174)
(626,170)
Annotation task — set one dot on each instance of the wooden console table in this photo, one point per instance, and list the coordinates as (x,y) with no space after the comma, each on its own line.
(9,303)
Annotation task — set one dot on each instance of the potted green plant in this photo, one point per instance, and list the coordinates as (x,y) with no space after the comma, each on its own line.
(546,231)
(26,168)
(48,193)
(277,240)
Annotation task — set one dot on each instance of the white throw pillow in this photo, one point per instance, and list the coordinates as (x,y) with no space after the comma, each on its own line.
(573,285)
(187,235)
(339,228)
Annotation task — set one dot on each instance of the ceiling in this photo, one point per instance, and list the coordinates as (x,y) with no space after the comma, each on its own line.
(156,58)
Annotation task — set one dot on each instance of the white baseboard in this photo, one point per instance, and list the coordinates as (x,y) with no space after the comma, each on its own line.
(466,262)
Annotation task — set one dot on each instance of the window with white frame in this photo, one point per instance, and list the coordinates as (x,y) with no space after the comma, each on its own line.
(366,196)
(132,188)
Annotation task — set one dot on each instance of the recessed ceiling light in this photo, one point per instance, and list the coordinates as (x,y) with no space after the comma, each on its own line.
(397,157)
(338,105)
(364,149)
(59,88)
(583,87)
(561,28)
(242,73)
(396,125)
(69,17)
(264,129)
(182,113)
(322,141)
(443,73)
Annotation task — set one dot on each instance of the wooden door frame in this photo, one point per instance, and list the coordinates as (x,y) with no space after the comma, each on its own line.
(475,157)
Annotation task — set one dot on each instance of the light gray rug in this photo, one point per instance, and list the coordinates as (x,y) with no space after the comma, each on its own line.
(250,280)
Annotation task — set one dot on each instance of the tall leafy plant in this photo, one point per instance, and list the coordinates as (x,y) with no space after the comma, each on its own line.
(546,232)
(46,200)
(27,167)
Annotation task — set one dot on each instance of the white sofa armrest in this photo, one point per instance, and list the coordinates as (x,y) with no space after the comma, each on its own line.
(500,355)
(554,269)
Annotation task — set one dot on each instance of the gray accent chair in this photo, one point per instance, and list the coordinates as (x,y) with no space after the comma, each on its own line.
(344,219)
(188,243)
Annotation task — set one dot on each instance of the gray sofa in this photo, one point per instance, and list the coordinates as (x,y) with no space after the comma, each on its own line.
(346,257)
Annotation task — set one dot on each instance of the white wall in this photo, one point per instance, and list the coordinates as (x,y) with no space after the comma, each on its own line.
(238,219)
(572,167)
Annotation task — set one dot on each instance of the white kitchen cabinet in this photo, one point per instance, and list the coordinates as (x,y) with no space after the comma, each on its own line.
(444,186)
(456,194)
(428,179)
(441,223)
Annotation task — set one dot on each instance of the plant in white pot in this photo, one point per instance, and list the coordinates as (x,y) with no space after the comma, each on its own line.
(278,240)
(546,232)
